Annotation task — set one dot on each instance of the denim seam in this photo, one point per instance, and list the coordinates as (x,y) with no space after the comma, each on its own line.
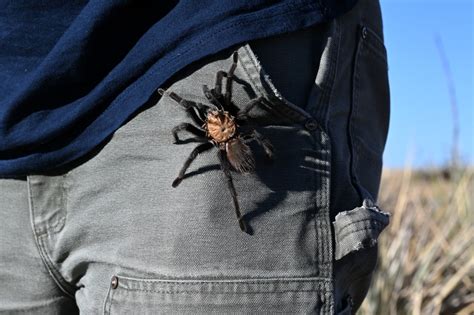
(325,100)
(362,146)
(362,44)
(328,85)
(316,281)
(375,220)
(328,204)
(344,236)
(358,221)
(232,281)
(371,49)
(255,86)
(375,35)
(315,290)
(321,110)
(322,222)
(192,281)
(353,109)
(318,224)
(36,230)
(327,226)
(316,183)
(245,65)
(356,87)
(328,306)
(108,300)
(61,283)
(59,224)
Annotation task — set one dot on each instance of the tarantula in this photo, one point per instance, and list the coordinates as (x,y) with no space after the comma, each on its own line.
(223,126)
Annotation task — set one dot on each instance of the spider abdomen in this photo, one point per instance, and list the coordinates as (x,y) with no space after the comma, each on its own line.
(240,155)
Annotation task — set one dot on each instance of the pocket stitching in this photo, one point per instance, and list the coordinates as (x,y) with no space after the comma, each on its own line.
(346,235)
(316,286)
(345,227)
(374,34)
(381,54)
(355,142)
(192,281)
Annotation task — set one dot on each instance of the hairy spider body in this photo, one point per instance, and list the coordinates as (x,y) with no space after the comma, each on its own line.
(220,126)
(239,155)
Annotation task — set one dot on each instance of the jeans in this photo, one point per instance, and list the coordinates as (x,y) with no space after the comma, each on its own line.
(110,235)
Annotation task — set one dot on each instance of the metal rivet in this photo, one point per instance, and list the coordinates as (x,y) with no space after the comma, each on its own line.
(114,282)
(311,124)
(364,32)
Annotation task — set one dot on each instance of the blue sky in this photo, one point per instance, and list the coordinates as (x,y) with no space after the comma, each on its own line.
(421,121)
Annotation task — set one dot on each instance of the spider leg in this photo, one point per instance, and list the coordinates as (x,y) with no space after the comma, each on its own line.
(261,140)
(242,114)
(229,75)
(190,107)
(210,95)
(189,128)
(199,149)
(218,86)
(230,78)
(230,183)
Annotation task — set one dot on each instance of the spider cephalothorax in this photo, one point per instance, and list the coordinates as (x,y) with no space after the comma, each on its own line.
(220,126)
(224,127)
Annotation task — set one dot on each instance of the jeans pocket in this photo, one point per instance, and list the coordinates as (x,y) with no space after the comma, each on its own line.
(356,235)
(198,205)
(369,118)
(129,295)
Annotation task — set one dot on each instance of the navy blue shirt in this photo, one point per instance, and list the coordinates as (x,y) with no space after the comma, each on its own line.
(72,72)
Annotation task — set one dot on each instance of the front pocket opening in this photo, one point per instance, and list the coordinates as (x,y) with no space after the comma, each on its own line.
(265,87)
(359,228)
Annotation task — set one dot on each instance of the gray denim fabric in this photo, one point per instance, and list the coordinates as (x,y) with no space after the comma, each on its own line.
(111,236)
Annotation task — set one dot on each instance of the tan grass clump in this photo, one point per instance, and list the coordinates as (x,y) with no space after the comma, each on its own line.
(426,255)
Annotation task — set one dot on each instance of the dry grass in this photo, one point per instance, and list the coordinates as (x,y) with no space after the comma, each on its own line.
(426,263)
